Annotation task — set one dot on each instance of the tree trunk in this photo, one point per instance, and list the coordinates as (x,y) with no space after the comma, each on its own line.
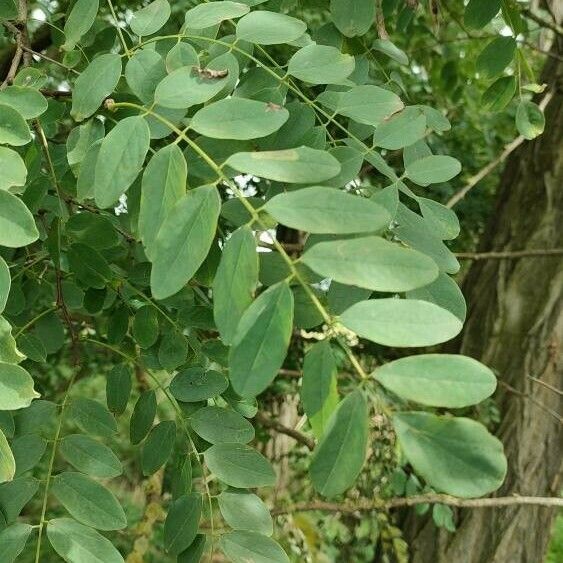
(515,327)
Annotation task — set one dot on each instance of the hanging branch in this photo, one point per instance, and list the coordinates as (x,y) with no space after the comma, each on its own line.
(401,502)
(278,427)
(19,30)
(380,21)
(509,149)
(510,255)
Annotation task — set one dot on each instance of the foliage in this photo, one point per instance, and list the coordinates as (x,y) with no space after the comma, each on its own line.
(186,193)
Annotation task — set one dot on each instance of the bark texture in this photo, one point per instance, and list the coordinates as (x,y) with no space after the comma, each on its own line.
(515,326)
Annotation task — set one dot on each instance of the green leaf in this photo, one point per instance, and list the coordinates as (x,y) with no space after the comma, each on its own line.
(143,72)
(352,18)
(530,120)
(187,86)
(118,388)
(164,184)
(238,118)
(94,84)
(243,546)
(143,416)
(495,57)
(319,394)
(433,169)
(445,293)
(182,54)
(173,350)
(269,28)
(478,13)
(14,495)
(296,166)
(213,13)
(90,456)
(391,50)
(17,226)
(438,380)
(245,511)
(93,230)
(145,326)
(184,240)
(239,466)
(340,455)
(217,425)
(442,219)
(28,102)
(151,18)
(13,167)
(196,384)
(372,263)
(86,174)
(13,540)
(92,417)
(7,461)
(401,323)
(321,64)
(5,284)
(401,130)
(158,447)
(261,340)
(416,232)
(88,502)
(497,96)
(89,266)
(324,210)
(76,543)
(120,159)
(9,352)
(366,104)
(182,522)
(194,553)
(456,456)
(28,451)
(16,387)
(79,21)
(235,282)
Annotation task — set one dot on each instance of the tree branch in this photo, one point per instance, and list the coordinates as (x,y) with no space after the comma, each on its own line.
(279,427)
(19,30)
(541,22)
(380,21)
(509,149)
(399,502)
(514,255)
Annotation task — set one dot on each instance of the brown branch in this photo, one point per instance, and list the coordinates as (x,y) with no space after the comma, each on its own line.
(380,21)
(545,384)
(399,502)
(279,427)
(19,31)
(514,255)
(541,22)
(532,399)
(509,149)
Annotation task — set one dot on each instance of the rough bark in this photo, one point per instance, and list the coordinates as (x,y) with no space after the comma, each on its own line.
(515,326)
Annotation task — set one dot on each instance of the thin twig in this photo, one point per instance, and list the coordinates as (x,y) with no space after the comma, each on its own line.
(543,23)
(532,399)
(366,506)
(280,428)
(19,30)
(509,149)
(380,21)
(510,255)
(546,385)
